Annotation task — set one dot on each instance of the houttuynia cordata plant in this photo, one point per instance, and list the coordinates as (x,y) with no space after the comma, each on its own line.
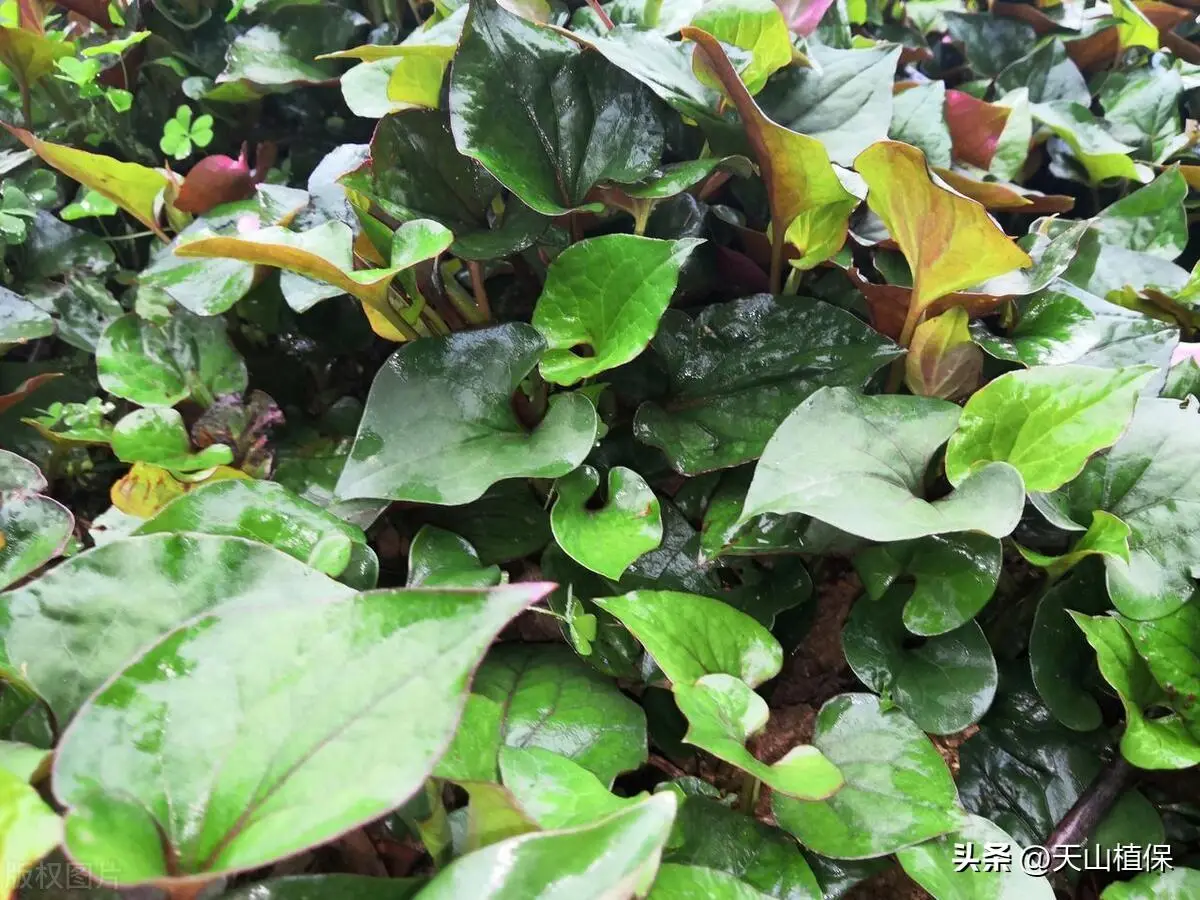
(565,450)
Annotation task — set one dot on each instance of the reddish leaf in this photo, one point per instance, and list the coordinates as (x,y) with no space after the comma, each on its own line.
(887,304)
(802,16)
(1001,197)
(24,389)
(975,127)
(215,180)
(1097,51)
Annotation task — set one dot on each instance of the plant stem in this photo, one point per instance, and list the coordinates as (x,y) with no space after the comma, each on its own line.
(1093,805)
(748,795)
(776,282)
(480,290)
(651,13)
(603,15)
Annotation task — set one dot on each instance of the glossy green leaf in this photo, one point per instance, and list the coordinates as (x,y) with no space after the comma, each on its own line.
(1102,156)
(555,791)
(492,815)
(329,887)
(691,636)
(723,713)
(1149,743)
(1176,884)
(614,857)
(279,54)
(1060,658)
(414,651)
(86,608)
(1170,647)
(898,791)
(602,301)
(26,762)
(844,100)
(1144,481)
(919,118)
(991,42)
(737,369)
(21,321)
(549,698)
(840,478)
(1045,422)
(546,148)
(1055,327)
(662,65)
(439,425)
(944,685)
(954,577)
(609,538)
(269,513)
(33,528)
(30,829)
(722,535)
(932,866)
(157,435)
(1106,536)
(712,836)
(1150,219)
(676,882)
(160,365)
(440,558)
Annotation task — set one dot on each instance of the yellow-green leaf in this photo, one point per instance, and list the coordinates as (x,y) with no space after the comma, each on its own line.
(809,204)
(30,57)
(29,830)
(950,241)
(943,361)
(134,188)
(1133,28)
(756,26)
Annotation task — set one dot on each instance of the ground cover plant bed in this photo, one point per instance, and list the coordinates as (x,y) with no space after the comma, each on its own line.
(671,449)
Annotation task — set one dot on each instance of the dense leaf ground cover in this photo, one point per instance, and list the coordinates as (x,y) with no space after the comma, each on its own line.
(674,448)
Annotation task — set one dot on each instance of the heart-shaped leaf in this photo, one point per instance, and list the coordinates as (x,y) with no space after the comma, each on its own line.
(709,835)
(1044,422)
(1170,647)
(825,461)
(86,607)
(30,830)
(1143,481)
(614,857)
(723,713)
(440,558)
(932,865)
(737,369)
(602,302)
(555,791)
(545,696)
(33,528)
(898,791)
(950,242)
(944,685)
(545,148)
(606,540)
(439,426)
(955,576)
(160,365)
(369,668)
(269,513)
(157,435)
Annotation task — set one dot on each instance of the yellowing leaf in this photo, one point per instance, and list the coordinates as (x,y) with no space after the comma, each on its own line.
(134,188)
(326,256)
(145,489)
(950,241)
(1133,28)
(810,207)
(30,56)
(943,361)
(418,75)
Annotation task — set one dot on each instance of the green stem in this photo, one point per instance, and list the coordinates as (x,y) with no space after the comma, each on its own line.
(749,793)
(641,215)
(653,10)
